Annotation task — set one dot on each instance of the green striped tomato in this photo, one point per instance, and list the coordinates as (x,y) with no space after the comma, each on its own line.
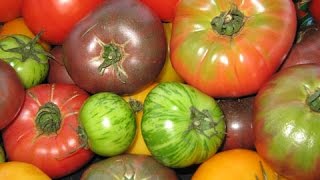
(109,123)
(181,125)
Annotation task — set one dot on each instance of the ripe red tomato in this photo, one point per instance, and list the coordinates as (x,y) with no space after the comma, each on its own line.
(46,133)
(164,8)
(10,9)
(55,18)
(314,8)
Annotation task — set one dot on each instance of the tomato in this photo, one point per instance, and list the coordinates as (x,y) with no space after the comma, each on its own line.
(15,170)
(314,8)
(27,57)
(136,100)
(12,94)
(109,123)
(56,18)
(10,9)
(181,125)
(165,9)
(2,155)
(121,51)
(167,73)
(46,133)
(231,48)
(235,164)
(18,26)
(286,120)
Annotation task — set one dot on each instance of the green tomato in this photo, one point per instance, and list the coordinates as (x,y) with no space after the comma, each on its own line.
(109,123)
(2,155)
(27,57)
(181,125)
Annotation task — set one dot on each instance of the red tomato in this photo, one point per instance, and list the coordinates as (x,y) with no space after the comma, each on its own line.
(47,133)
(55,17)
(164,8)
(314,8)
(10,9)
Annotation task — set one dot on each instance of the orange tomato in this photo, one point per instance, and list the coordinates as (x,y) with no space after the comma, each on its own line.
(139,146)
(18,26)
(240,164)
(14,170)
(167,73)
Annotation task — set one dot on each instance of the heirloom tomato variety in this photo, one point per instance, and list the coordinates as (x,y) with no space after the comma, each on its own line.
(120,48)
(46,133)
(165,9)
(181,125)
(10,9)
(314,8)
(55,18)
(230,48)
(286,119)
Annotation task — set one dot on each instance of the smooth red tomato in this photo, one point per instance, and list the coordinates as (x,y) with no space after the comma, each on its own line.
(10,9)
(164,8)
(55,17)
(47,132)
(314,8)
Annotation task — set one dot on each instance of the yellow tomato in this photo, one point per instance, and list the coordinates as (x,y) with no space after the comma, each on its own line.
(240,164)
(14,170)
(18,26)
(168,73)
(139,146)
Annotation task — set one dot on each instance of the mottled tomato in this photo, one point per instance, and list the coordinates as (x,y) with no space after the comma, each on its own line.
(120,48)
(46,133)
(10,9)
(286,119)
(165,9)
(230,48)
(314,8)
(12,94)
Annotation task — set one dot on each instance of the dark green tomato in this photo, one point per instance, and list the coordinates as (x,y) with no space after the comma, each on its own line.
(129,167)
(181,125)
(286,122)
(27,57)
(109,123)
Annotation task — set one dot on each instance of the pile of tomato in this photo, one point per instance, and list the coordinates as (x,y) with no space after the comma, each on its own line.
(149,89)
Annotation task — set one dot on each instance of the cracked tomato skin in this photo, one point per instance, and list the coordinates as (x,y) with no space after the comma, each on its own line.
(235,65)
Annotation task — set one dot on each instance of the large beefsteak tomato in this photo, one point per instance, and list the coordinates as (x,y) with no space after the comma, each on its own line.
(286,120)
(230,48)
(46,133)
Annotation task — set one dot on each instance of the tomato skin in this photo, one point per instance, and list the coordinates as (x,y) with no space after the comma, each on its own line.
(285,126)
(165,9)
(314,8)
(224,66)
(56,18)
(59,153)
(12,94)
(10,9)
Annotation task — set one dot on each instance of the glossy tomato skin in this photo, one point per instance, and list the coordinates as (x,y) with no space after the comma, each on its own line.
(235,65)
(56,18)
(10,9)
(285,125)
(12,94)
(165,9)
(137,36)
(314,8)
(59,152)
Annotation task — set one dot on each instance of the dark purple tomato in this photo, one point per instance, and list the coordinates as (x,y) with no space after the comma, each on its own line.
(120,47)
(129,166)
(57,70)
(238,116)
(12,94)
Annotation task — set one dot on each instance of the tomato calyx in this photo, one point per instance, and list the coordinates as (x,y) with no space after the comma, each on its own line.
(228,23)
(313,101)
(48,119)
(136,105)
(203,122)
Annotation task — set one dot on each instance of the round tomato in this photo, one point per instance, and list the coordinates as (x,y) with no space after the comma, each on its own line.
(12,94)
(230,48)
(235,164)
(109,123)
(27,57)
(55,18)
(165,9)
(181,125)
(10,9)
(286,119)
(47,133)
(314,8)
(18,26)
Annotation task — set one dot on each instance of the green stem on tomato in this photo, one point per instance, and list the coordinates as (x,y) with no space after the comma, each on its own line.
(313,101)
(48,119)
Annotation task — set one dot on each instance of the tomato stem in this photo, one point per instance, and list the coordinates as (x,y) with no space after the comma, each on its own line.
(313,101)
(48,119)
(136,105)
(228,23)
